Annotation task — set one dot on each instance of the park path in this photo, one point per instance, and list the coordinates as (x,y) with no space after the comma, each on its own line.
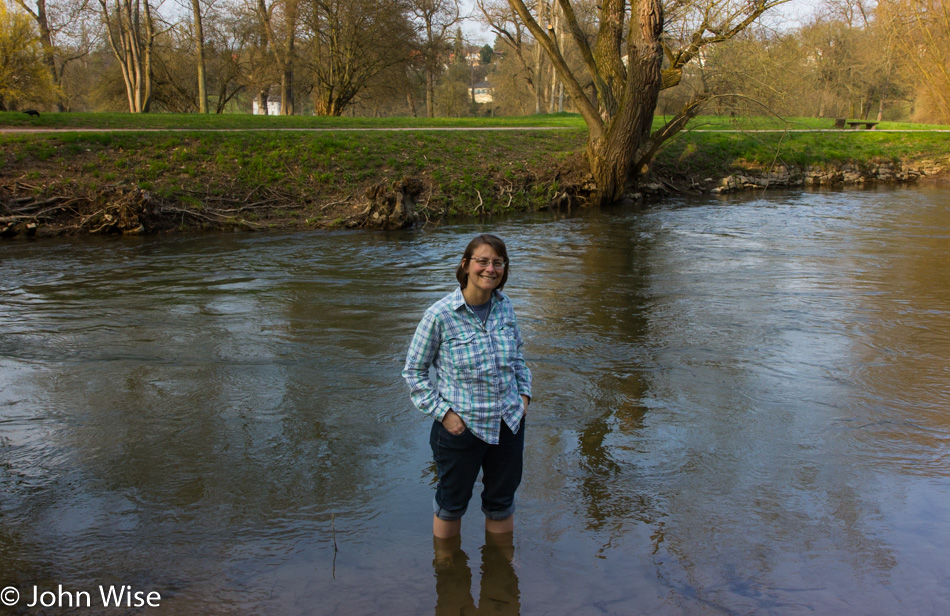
(79,129)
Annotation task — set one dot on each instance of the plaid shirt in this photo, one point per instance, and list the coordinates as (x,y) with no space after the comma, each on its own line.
(480,371)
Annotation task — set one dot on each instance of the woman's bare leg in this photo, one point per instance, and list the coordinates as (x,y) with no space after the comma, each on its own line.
(500,526)
(443,529)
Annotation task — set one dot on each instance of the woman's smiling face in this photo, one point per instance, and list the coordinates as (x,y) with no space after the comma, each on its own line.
(487,277)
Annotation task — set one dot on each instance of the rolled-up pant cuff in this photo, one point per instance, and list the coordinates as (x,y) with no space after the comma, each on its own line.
(445,514)
(499,515)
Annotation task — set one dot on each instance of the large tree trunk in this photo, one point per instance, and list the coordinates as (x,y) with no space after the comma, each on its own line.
(329,103)
(614,154)
(613,157)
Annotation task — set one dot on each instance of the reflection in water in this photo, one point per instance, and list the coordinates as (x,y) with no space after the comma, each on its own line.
(499,592)
(453,578)
(740,408)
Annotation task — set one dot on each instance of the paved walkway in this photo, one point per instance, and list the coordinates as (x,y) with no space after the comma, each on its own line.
(79,129)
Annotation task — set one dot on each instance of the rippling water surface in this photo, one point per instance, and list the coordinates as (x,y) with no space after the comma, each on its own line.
(741,406)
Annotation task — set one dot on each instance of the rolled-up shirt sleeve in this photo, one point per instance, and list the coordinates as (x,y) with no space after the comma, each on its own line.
(522,372)
(423,351)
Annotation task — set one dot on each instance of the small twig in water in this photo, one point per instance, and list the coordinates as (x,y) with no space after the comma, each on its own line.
(335,550)
(333,528)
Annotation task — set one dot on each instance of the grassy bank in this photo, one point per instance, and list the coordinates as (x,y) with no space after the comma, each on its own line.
(718,154)
(264,179)
(166,172)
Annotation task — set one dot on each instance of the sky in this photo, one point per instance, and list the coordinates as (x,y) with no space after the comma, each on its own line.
(792,14)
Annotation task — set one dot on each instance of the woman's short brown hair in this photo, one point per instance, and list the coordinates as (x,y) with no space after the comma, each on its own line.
(497,245)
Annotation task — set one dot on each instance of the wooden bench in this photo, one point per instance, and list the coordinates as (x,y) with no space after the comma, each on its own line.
(865,123)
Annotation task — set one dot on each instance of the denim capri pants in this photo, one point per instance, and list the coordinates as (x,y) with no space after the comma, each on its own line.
(458,459)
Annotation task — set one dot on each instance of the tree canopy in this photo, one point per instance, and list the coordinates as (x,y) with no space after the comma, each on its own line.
(616,63)
(23,76)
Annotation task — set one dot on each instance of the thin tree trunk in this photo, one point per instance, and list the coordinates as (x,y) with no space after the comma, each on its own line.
(538,65)
(200,57)
(411,101)
(49,54)
(283,55)
(149,38)
(430,93)
(554,29)
(287,91)
(133,49)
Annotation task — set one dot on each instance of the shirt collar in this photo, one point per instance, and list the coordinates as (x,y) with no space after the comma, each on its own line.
(458,300)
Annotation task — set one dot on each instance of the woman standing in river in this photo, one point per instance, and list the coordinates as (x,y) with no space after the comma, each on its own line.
(481,390)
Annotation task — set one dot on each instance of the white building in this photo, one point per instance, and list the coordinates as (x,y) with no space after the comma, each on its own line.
(273,106)
(483,92)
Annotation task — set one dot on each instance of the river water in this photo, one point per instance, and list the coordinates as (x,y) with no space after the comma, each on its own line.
(741,407)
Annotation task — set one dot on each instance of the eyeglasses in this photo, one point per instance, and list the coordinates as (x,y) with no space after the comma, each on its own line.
(483,262)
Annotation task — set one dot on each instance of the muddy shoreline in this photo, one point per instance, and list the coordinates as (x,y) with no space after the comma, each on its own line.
(37,210)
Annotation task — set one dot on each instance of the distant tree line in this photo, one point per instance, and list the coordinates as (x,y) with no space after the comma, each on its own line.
(886,60)
(889,59)
(329,57)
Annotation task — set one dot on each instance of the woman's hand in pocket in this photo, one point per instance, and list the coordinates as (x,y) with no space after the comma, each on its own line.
(453,423)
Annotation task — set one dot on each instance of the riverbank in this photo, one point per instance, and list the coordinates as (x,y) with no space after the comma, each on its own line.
(283,173)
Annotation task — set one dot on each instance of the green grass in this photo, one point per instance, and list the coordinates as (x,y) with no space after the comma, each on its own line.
(341,157)
(752,123)
(713,153)
(458,168)
(184,121)
(464,172)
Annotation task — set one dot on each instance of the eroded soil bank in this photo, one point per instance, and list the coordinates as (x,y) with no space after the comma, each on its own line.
(137,183)
(70,189)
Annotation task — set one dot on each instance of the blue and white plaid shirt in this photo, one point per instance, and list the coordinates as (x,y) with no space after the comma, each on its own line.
(480,371)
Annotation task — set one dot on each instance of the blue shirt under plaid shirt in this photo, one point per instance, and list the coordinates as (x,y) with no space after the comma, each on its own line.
(480,370)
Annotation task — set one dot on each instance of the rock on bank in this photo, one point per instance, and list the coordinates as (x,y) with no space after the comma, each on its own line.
(846,174)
